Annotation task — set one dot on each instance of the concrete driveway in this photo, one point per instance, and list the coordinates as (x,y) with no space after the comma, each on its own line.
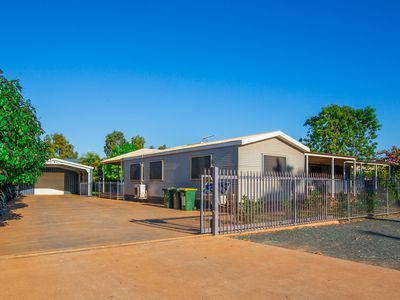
(47,223)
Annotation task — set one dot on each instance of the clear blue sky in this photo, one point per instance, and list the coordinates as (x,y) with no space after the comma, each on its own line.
(176,71)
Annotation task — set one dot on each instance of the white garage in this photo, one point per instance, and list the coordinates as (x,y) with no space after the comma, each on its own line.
(62,177)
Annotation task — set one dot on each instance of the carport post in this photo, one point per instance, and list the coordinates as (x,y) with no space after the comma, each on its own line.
(89,183)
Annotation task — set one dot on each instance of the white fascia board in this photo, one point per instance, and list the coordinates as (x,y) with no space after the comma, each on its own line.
(57,161)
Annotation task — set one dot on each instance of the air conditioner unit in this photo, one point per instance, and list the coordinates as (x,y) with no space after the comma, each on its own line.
(140,191)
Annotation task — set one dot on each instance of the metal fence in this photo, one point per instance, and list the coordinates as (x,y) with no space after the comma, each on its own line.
(83,189)
(109,189)
(234,201)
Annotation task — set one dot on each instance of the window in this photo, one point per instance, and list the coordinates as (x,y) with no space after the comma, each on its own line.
(135,172)
(199,164)
(156,170)
(274,163)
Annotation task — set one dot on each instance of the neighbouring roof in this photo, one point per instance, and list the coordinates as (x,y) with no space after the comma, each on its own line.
(62,162)
(238,141)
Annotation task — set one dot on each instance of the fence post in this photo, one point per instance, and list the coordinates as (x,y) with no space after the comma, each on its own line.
(387,196)
(201,203)
(215,221)
(295,201)
(110,189)
(348,204)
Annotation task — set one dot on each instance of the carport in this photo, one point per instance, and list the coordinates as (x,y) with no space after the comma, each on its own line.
(62,177)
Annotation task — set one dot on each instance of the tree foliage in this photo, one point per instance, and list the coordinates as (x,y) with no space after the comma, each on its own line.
(113,172)
(162,147)
(59,147)
(343,130)
(22,151)
(113,139)
(138,141)
(92,159)
(392,156)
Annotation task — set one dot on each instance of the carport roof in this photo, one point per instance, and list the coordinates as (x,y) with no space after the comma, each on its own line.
(62,162)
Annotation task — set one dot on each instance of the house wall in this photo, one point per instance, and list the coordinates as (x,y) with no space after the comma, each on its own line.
(177,170)
(251,155)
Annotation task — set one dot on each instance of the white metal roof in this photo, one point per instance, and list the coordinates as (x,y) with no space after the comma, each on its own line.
(136,153)
(238,141)
(57,161)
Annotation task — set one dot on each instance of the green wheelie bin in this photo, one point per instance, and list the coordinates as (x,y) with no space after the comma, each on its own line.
(188,197)
(169,197)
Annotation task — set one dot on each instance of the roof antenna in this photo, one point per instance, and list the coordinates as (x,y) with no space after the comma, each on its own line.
(205,138)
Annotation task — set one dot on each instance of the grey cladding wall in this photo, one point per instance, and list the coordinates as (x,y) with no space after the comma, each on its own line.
(177,169)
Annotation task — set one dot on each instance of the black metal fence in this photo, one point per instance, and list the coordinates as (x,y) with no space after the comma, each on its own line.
(234,201)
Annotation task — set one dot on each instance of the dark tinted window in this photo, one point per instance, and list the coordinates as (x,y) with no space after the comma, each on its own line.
(135,172)
(156,170)
(274,163)
(199,164)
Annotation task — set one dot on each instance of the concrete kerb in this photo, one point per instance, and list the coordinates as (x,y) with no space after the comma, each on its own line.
(291,227)
(101,247)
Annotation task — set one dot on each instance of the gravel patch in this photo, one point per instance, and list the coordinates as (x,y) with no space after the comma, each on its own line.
(374,242)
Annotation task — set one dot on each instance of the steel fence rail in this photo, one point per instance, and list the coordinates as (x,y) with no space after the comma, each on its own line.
(233,201)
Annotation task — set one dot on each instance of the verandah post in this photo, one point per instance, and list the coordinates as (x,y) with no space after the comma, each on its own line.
(215,221)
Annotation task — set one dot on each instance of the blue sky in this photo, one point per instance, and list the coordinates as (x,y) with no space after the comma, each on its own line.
(174,71)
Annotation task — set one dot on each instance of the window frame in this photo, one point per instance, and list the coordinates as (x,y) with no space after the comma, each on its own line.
(140,172)
(162,170)
(191,163)
(273,155)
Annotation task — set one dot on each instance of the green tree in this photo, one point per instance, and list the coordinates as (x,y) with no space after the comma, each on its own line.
(59,147)
(343,130)
(138,141)
(392,156)
(162,147)
(22,151)
(92,159)
(113,172)
(113,139)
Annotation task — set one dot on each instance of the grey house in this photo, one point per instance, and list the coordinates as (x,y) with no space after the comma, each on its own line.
(147,171)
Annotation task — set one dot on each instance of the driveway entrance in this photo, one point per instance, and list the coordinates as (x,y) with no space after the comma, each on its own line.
(47,223)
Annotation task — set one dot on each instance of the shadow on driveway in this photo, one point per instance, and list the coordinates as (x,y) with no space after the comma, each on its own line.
(179,224)
(10,213)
